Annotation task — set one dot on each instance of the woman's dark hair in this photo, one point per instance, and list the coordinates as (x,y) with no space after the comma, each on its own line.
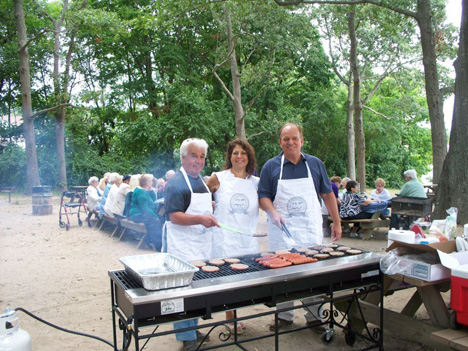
(250,154)
(350,184)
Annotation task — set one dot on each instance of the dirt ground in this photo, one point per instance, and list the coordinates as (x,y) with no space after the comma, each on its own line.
(62,277)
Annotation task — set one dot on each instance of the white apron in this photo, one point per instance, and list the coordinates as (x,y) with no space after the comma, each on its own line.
(236,206)
(296,200)
(191,242)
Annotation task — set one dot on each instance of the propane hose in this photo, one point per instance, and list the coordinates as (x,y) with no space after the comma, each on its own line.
(72,331)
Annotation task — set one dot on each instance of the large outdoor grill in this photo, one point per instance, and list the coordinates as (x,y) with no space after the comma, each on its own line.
(351,275)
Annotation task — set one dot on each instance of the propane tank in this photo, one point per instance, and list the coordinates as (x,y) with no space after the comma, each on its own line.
(13,338)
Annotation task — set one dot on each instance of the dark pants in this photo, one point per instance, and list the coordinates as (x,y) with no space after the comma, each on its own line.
(153,228)
(399,221)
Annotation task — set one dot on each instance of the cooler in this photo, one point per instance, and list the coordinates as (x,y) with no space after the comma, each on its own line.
(459,293)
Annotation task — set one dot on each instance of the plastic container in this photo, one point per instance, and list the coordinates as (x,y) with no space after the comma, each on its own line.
(459,293)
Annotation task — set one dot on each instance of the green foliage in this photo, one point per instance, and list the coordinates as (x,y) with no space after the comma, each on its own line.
(13,167)
(142,83)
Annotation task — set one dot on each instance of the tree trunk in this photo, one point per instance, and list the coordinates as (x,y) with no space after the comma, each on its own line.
(32,172)
(452,191)
(350,133)
(434,103)
(357,104)
(59,93)
(236,85)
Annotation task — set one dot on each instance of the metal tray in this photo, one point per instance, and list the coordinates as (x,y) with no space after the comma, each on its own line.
(159,271)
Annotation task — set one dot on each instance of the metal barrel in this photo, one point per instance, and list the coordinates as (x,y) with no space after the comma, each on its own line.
(41,200)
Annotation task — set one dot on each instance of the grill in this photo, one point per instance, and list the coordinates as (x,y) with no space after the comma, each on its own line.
(230,289)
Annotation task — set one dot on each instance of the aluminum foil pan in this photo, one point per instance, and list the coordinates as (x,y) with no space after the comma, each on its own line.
(159,271)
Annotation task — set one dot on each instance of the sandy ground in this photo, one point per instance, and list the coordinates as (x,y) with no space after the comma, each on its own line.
(62,276)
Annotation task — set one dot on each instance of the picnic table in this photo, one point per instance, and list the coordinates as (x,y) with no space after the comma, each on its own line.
(9,190)
(431,190)
(403,323)
(367,225)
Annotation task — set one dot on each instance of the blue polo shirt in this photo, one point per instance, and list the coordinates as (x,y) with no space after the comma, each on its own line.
(271,171)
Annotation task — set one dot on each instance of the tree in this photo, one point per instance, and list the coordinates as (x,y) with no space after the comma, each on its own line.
(362,56)
(32,174)
(452,190)
(422,13)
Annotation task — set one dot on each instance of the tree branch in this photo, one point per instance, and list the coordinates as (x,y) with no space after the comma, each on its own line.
(254,135)
(377,113)
(348,2)
(38,35)
(447,90)
(254,99)
(34,115)
(44,12)
(226,90)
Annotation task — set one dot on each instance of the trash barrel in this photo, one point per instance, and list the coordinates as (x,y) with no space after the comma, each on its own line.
(42,200)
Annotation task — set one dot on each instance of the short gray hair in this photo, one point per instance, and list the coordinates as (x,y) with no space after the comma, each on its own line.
(199,143)
(113,177)
(410,173)
(92,180)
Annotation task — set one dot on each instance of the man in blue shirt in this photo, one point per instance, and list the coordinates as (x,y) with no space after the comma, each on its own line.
(291,188)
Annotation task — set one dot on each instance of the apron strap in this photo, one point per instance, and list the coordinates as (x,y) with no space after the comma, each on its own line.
(188,181)
(309,173)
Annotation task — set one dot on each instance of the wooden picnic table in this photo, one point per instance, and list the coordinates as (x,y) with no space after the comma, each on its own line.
(431,190)
(403,323)
(9,190)
(367,225)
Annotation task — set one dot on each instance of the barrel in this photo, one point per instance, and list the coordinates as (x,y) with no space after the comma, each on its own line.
(42,200)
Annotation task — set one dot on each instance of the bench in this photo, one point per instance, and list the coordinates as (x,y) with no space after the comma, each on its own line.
(106,218)
(137,227)
(9,190)
(367,225)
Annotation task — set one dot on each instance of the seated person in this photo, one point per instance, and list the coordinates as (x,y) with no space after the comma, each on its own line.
(352,203)
(343,183)
(335,183)
(112,194)
(119,199)
(93,195)
(143,210)
(381,194)
(411,188)
(106,193)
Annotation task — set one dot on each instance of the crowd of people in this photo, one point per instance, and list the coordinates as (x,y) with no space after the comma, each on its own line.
(137,197)
(293,189)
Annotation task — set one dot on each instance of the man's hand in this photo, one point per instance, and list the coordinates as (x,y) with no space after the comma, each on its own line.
(276,218)
(336,231)
(208,221)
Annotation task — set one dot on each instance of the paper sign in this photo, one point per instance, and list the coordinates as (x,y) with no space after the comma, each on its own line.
(172,306)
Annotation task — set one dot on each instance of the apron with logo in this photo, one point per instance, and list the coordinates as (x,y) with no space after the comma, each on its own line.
(296,200)
(191,242)
(236,206)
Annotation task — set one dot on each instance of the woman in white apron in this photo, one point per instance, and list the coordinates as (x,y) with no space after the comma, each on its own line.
(236,205)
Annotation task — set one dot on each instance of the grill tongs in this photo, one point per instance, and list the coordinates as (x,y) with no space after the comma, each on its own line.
(288,234)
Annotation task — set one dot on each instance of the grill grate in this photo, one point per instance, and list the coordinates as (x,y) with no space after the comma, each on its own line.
(226,270)
(127,280)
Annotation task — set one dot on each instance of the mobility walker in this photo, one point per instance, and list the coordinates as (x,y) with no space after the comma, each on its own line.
(72,203)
